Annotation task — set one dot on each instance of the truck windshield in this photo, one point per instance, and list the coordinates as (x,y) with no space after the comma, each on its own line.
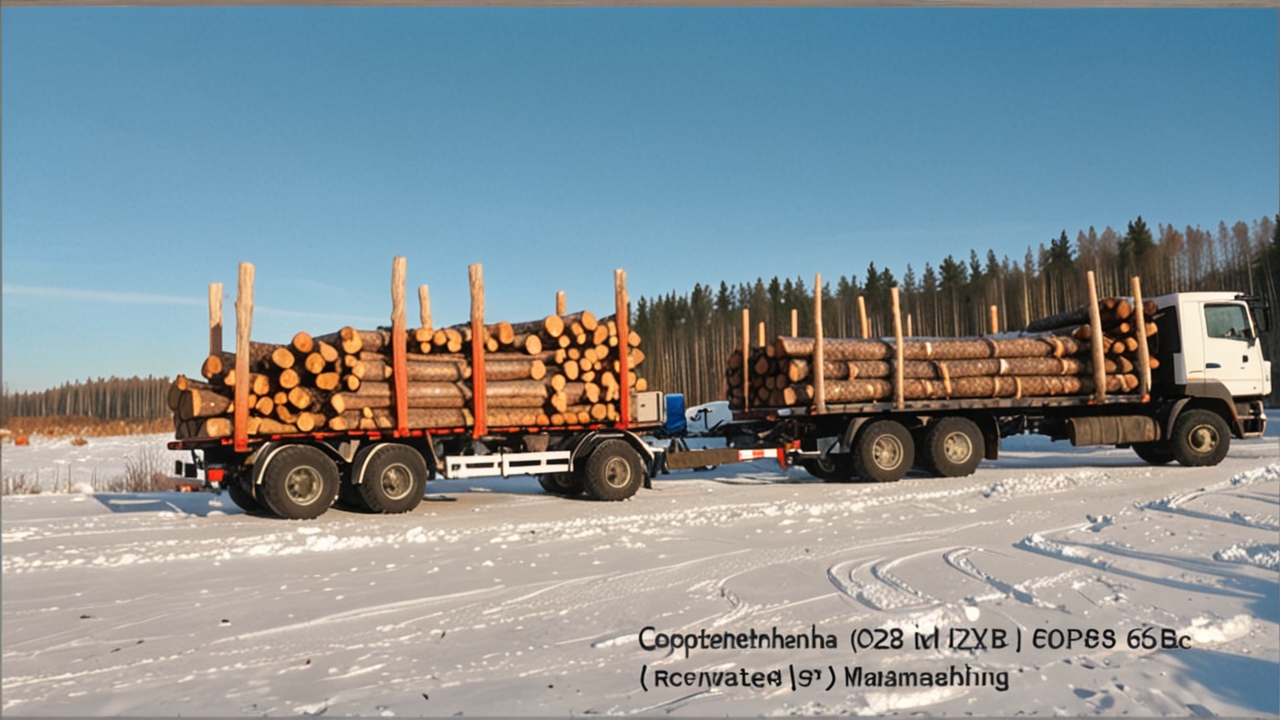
(1227,321)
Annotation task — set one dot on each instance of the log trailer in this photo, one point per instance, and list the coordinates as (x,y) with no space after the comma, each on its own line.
(1207,387)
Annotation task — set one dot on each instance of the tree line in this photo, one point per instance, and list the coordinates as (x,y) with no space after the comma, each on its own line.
(114,398)
(689,337)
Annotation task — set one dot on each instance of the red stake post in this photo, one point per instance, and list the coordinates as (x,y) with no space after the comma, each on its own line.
(478,388)
(399,363)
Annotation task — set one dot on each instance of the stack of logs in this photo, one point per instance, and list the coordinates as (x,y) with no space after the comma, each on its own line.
(1055,362)
(561,370)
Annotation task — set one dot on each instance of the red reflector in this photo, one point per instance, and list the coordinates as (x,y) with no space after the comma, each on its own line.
(215,474)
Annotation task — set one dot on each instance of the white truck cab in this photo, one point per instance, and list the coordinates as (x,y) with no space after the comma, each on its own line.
(1215,340)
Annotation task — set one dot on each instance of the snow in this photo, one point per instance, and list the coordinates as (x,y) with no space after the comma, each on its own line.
(493,598)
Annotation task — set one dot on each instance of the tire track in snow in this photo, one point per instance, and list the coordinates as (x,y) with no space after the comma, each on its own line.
(959,560)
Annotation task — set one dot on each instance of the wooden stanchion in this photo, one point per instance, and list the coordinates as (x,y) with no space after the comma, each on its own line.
(994,315)
(862,318)
(1096,341)
(1144,353)
(244,325)
(898,350)
(215,318)
(560,304)
(622,316)
(795,322)
(400,368)
(424,307)
(478,388)
(819,379)
(746,359)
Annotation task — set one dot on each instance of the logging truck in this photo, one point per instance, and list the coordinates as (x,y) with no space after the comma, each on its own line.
(1174,378)
(1200,384)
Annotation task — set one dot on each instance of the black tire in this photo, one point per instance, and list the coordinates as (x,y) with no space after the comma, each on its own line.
(613,471)
(241,495)
(952,447)
(299,483)
(393,477)
(883,452)
(833,467)
(918,436)
(1200,438)
(349,497)
(1155,453)
(563,484)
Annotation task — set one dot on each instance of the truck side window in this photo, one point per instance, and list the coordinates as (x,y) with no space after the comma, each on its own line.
(1226,321)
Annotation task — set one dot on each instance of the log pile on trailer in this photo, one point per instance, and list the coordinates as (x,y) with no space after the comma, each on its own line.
(1061,360)
(561,370)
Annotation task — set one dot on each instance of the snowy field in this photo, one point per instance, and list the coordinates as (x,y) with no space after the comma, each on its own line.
(1060,581)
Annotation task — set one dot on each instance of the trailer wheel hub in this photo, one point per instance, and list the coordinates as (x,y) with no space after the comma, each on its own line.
(397,481)
(887,452)
(957,447)
(617,472)
(304,485)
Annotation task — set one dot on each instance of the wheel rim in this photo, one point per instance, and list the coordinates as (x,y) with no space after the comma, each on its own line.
(887,452)
(957,447)
(617,472)
(397,482)
(304,485)
(1203,439)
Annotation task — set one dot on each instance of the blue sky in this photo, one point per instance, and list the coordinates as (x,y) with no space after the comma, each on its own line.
(148,151)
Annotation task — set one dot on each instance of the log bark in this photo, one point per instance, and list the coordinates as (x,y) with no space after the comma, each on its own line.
(934,349)
(202,403)
(871,390)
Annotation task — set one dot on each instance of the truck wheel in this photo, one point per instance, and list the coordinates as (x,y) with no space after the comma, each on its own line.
(613,471)
(834,467)
(395,477)
(883,452)
(1155,453)
(243,497)
(300,483)
(1200,437)
(953,447)
(564,484)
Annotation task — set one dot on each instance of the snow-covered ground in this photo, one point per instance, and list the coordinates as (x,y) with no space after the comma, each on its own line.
(495,599)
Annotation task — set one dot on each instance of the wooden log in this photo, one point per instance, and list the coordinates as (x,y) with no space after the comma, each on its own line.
(873,390)
(314,363)
(196,402)
(584,318)
(798,369)
(289,379)
(218,365)
(303,343)
(271,426)
(215,427)
(265,406)
(174,397)
(934,349)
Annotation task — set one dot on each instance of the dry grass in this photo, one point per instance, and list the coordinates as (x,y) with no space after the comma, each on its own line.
(82,427)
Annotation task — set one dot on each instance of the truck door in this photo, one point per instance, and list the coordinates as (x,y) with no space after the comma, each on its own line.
(1232,353)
